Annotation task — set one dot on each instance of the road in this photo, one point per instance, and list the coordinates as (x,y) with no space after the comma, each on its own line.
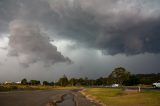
(44,98)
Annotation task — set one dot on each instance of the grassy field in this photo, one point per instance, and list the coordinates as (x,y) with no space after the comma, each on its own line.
(119,97)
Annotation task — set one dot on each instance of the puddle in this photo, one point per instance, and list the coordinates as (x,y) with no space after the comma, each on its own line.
(67,101)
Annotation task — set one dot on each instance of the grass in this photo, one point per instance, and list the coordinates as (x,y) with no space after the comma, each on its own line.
(142,86)
(118,97)
(14,87)
(41,87)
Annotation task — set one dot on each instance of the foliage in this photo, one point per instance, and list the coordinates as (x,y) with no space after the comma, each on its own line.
(8,87)
(63,81)
(34,82)
(24,81)
(73,81)
(45,83)
(119,75)
(133,80)
(48,83)
(148,78)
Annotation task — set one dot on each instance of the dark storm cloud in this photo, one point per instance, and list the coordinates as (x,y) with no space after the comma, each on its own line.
(30,44)
(115,27)
(8,11)
(123,26)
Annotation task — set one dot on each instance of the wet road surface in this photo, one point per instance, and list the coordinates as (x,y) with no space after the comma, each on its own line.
(68,100)
(27,98)
(42,97)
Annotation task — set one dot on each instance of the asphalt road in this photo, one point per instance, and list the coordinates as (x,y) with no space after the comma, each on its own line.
(67,100)
(43,97)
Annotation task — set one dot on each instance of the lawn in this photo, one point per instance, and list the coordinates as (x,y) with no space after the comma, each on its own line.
(119,97)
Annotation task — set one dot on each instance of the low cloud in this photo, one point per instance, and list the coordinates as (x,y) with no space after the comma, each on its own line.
(30,44)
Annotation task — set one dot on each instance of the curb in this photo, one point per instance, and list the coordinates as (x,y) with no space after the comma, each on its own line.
(92,98)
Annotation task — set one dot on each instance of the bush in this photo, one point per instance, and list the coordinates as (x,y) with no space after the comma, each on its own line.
(8,87)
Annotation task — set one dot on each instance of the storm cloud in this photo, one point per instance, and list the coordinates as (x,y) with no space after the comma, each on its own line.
(97,35)
(115,27)
(30,44)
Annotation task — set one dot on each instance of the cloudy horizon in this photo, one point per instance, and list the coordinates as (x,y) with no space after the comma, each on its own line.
(44,39)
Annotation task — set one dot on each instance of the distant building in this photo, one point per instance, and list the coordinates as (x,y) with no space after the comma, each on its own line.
(8,82)
(18,82)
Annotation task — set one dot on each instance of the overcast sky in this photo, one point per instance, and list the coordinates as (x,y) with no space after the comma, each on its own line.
(44,39)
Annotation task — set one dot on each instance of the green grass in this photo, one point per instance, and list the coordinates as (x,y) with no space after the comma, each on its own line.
(142,86)
(118,97)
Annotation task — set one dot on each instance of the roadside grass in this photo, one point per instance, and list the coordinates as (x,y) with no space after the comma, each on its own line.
(15,87)
(142,86)
(30,87)
(68,87)
(119,97)
(7,87)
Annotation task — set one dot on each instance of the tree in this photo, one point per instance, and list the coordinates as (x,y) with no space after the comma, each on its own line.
(148,78)
(63,81)
(119,75)
(35,82)
(24,81)
(133,80)
(45,83)
(73,81)
(81,81)
(100,81)
(51,83)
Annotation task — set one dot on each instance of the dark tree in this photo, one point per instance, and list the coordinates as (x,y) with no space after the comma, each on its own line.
(63,81)
(101,81)
(81,81)
(45,83)
(73,81)
(148,78)
(133,80)
(51,83)
(34,82)
(24,81)
(119,75)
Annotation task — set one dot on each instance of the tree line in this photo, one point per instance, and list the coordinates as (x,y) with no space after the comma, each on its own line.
(119,76)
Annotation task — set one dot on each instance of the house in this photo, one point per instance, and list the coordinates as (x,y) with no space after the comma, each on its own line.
(18,82)
(8,82)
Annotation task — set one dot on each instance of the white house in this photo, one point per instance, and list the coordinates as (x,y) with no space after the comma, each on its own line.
(18,82)
(8,82)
